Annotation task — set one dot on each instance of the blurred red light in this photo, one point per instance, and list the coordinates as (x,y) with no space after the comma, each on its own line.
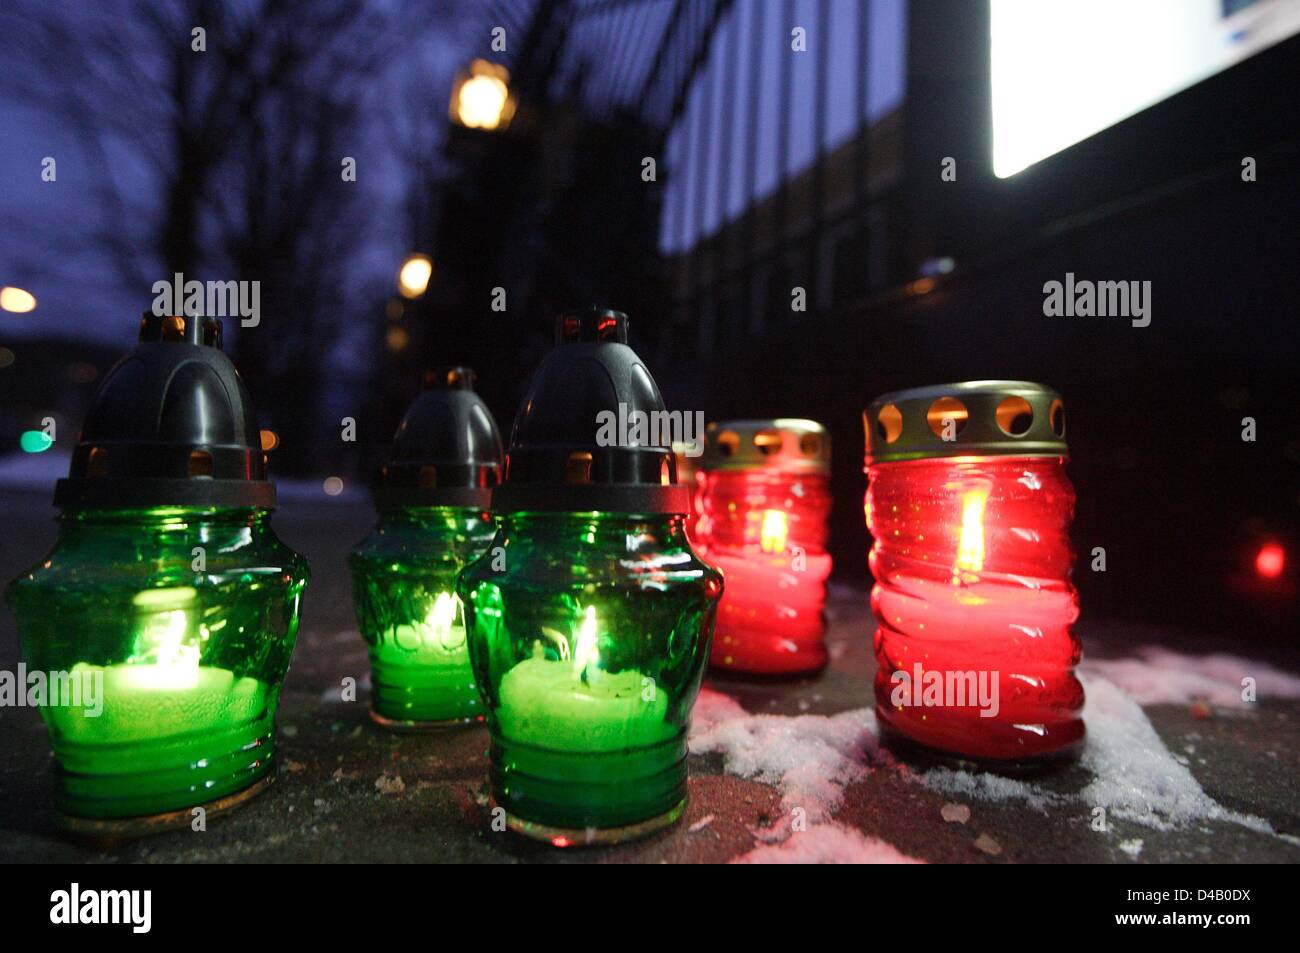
(1270,560)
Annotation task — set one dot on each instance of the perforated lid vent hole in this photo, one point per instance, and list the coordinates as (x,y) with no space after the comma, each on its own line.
(1056,417)
(728,443)
(889,423)
(768,442)
(1015,416)
(947,417)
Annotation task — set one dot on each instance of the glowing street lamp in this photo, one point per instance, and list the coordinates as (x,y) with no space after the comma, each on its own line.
(481,97)
(17,300)
(413,278)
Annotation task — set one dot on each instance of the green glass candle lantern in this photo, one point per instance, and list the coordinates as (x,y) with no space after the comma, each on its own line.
(590,616)
(433,497)
(164,618)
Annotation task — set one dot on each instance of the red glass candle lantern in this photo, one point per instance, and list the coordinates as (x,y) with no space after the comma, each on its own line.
(764,498)
(970,508)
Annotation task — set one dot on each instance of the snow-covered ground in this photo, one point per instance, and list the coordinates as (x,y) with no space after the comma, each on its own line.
(812,759)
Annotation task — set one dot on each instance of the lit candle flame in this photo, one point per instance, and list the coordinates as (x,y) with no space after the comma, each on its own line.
(775,531)
(970,546)
(584,648)
(446,623)
(443,614)
(170,656)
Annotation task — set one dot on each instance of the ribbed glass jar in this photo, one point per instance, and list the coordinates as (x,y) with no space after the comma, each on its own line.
(589,638)
(404,589)
(181,621)
(766,530)
(975,648)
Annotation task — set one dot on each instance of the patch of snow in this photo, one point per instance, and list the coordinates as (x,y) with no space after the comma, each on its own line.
(810,759)
(1135,777)
(1131,847)
(827,844)
(711,708)
(1161,676)
(983,786)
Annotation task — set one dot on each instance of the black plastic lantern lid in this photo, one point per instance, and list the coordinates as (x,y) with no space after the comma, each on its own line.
(970,418)
(171,425)
(561,456)
(447,450)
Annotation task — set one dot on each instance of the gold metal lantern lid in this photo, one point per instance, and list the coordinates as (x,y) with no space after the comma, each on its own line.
(971,418)
(786,443)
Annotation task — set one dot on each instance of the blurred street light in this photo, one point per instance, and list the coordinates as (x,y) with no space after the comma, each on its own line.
(35,441)
(397,338)
(413,279)
(480,98)
(937,266)
(17,300)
